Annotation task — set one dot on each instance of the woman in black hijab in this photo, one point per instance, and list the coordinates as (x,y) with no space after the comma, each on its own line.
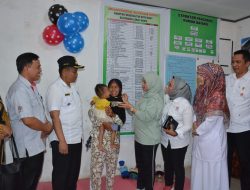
(109,157)
(115,88)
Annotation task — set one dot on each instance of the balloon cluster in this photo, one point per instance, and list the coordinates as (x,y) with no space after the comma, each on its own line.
(66,27)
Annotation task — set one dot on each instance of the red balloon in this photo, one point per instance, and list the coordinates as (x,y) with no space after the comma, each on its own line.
(52,35)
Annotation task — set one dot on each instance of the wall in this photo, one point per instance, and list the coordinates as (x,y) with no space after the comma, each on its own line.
(244,30)
(21,31)
(228,30)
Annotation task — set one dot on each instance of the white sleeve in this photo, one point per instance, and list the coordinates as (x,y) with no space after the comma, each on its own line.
(22,104)
(164,113)
(187,121)
(54,98)
(207,125)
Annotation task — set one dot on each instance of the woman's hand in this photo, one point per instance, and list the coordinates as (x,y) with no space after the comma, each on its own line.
(125,105)
(5,131)
(194,127)
(109,112)
(170,132)
(124,97)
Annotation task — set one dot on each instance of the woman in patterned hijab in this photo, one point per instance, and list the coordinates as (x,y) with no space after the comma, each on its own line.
(209,155)
(210,97)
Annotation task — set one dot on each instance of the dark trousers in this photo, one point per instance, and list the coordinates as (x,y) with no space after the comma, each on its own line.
(66,168)
(31,169)
(174,165)
(9,182)
(145,162)
(241,141)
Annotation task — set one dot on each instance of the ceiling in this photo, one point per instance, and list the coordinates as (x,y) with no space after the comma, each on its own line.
(232,10)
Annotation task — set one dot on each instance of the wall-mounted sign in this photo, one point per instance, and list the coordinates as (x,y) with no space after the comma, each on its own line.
(193,33)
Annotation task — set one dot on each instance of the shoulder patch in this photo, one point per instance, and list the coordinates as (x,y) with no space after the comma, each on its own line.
(20,109)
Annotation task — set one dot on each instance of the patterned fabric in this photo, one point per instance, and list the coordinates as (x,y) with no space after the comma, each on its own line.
(4,119)
(99,158)
(210,98)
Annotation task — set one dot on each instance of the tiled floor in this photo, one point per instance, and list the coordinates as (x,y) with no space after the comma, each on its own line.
(125,184)
(120,184)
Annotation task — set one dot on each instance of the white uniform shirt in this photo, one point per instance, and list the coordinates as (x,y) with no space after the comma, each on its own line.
(238,99)
(67,100)
(181,110)
(22,102)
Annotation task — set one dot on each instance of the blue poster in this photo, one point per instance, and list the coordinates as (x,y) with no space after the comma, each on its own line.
(245,43)
(184,67)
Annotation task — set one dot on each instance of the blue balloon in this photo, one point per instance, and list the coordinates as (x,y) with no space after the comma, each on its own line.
(73,43)
(83,20)
(68,24)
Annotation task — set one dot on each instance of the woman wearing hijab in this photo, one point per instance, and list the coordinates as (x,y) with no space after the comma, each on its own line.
(146,117)
(174,143)
(209,157)
(109,157)
(115,88)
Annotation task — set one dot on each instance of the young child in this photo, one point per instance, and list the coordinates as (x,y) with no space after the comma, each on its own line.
(101,103)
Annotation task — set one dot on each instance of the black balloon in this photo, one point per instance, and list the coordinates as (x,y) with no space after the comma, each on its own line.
(55,11)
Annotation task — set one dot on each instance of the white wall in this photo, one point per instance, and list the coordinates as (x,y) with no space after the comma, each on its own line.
(21,31)
(235,31)
(228,30)
(244,30)
(22,24)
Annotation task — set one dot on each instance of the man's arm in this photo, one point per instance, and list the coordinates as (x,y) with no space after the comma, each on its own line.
(36,124)
(63,146)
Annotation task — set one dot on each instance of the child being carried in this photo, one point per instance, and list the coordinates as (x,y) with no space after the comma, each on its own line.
(101,103)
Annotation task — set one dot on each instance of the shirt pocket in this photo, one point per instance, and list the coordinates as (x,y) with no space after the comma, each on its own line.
(68,103)
(36,101)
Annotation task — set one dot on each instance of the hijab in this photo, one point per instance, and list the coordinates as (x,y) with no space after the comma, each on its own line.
(181,89)
(154,84)
(210,98)
(119,111)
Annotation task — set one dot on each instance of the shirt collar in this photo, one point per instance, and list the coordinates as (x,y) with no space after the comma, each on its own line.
(64,83)
(245,76)
(24,81)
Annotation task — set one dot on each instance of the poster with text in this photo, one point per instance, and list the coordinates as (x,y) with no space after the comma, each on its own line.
(130,49)
(193,33)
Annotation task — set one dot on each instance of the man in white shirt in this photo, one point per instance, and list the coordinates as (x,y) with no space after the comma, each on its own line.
(238,98)
(28,121)
(65,107)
